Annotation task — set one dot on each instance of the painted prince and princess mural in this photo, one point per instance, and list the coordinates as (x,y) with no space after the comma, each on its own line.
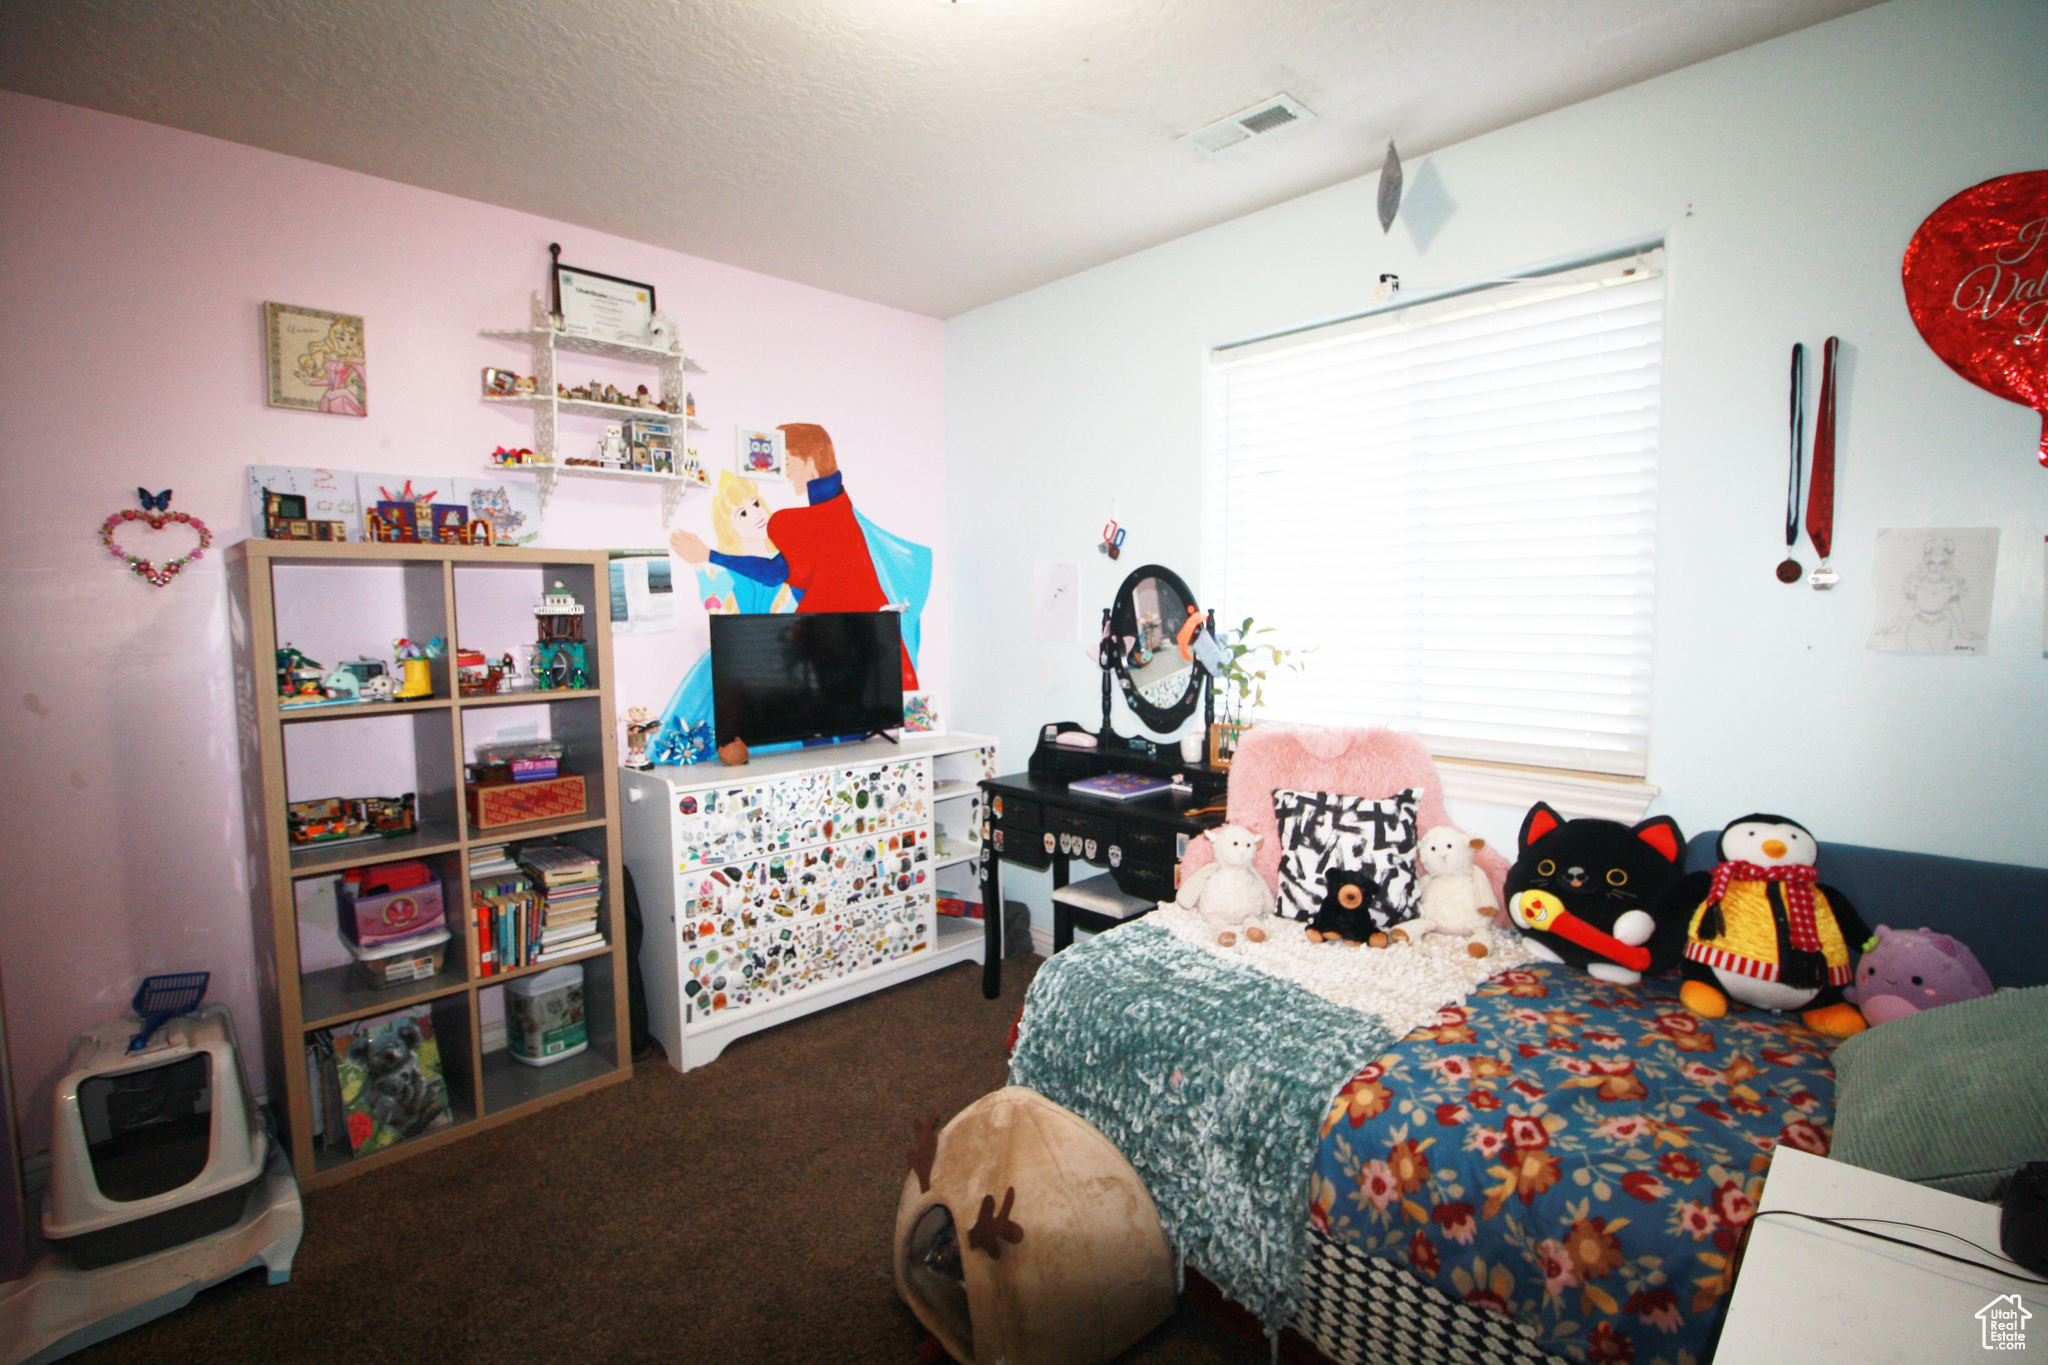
(820,555)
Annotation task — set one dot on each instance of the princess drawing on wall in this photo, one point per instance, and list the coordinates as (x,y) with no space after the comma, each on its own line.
(336,360)
(1930,619)
(739,523)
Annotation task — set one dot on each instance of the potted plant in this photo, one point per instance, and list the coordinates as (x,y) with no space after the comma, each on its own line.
(1248,660)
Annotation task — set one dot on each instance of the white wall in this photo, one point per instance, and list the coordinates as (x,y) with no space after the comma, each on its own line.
(1788,178)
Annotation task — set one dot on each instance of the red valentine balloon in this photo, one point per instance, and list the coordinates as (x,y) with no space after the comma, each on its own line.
(1976,277)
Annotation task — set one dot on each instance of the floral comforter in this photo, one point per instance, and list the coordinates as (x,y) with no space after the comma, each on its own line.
(1579,1155)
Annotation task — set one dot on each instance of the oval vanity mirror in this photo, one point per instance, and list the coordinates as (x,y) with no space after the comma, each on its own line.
(1161,688)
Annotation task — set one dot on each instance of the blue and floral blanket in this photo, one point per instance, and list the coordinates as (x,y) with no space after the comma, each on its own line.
(1579,1155)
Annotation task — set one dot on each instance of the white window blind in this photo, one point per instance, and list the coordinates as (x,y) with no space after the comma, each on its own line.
(1455,506)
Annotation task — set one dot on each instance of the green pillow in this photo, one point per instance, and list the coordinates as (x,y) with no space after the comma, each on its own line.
(1954,1097)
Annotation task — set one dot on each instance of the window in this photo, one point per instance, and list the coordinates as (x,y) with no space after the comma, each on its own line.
(1454,503)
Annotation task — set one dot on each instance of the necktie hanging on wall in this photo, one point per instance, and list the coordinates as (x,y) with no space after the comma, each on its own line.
(1820,496)
(1790,570)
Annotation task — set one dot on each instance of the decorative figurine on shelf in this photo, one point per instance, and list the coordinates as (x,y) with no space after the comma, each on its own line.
(340,819)
(689,405)
(380,688)
(661,331)
(416,662)
(451,524)
(341,684)
(419,680)
(473,673)
(559,663)
(643,399)
(640,723)
(525,386)
(611,448)
(365,670)
(506,457)
(294,668)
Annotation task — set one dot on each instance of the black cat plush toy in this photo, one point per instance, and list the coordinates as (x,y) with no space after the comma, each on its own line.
(1591,893)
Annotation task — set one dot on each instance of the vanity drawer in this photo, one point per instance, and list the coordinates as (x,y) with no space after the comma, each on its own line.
(1142,859)
(1078,834)
(1018,830)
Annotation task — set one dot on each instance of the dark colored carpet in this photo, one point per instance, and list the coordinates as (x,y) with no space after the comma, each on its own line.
(740,1213)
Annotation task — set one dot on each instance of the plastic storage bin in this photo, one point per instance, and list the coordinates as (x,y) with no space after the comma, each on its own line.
(395,901)
(406,959)
(544,1021)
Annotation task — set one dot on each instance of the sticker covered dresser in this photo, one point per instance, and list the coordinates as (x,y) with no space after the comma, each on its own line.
(799,880)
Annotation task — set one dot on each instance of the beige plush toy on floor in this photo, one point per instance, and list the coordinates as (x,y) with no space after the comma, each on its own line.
(1456,897)
(1228,894)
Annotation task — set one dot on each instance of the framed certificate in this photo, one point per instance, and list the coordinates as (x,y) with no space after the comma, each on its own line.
(603,307)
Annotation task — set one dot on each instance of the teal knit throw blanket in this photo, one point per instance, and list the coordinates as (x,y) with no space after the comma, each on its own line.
(1213,1079)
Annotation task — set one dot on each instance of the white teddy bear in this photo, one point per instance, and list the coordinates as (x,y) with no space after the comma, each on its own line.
(1456,897)
(1228,893)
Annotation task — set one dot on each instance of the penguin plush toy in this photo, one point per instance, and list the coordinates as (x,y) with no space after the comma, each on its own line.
(1763,931)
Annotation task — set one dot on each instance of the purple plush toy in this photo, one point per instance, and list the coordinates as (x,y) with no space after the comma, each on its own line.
(1909,970)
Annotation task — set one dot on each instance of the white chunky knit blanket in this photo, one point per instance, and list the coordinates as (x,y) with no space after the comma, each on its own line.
(1404,985)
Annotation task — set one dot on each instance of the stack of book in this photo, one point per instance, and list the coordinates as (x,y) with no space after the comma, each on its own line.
(571,887)
(505,907)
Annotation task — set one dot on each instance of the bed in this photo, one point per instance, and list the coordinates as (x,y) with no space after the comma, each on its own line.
(1577,1157)
(1551,1169)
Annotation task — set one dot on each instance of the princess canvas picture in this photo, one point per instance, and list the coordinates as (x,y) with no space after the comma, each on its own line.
(315,360)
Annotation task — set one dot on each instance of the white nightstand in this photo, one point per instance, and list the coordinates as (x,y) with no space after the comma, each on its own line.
(1809,1291)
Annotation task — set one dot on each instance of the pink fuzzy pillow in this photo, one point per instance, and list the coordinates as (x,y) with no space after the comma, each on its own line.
(1375,763)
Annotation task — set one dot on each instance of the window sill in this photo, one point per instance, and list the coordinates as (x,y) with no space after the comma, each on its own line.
(1576,794)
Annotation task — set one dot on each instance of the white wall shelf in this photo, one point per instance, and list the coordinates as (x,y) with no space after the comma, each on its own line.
(548,407)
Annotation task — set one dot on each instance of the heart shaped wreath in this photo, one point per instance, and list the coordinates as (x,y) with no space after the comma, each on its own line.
(156,513)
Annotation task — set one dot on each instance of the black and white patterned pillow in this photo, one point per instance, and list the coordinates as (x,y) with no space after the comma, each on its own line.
(1322,832)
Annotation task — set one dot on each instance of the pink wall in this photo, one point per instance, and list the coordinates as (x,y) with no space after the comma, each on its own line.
(135,265)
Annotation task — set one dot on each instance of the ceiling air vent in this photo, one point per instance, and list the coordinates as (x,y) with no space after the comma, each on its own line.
(1266,116)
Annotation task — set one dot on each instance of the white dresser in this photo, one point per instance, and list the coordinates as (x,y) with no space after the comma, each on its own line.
(803,879)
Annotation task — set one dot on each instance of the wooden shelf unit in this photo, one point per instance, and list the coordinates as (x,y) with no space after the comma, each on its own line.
(485,1089)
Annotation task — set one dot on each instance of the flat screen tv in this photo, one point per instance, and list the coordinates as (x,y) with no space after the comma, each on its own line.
(777,679)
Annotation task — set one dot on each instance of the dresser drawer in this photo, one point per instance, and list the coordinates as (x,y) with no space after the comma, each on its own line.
(778,958)
(726,824)
(728,904)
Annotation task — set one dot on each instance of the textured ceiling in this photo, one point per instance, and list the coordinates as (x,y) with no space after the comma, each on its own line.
(928,155)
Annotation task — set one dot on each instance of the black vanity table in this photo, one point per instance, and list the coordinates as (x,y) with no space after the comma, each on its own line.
(1032,818)
(1037,822)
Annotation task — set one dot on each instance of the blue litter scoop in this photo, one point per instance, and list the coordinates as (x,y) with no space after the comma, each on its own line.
(162,998)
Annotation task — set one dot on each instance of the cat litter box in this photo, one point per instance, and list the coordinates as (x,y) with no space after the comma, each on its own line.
(155,1140)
